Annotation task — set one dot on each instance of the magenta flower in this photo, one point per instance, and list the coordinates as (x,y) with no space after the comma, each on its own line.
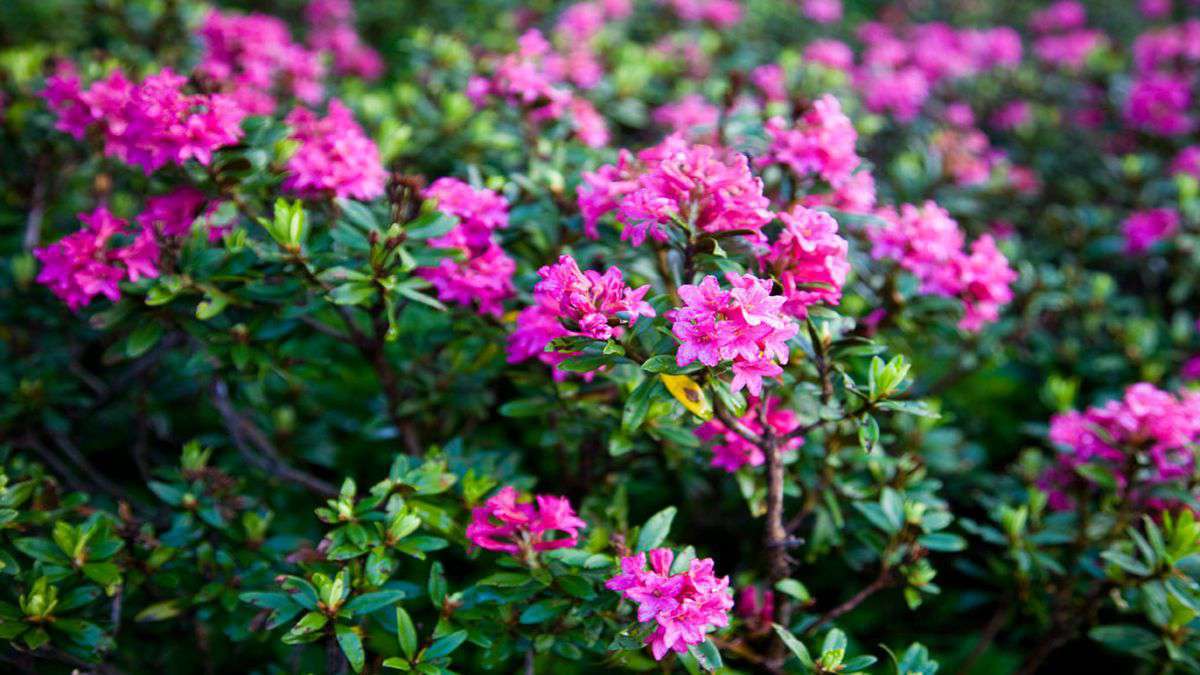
(720,13)
(822,143)
(771,81)
(335,157)
(484,274)
(1160,103)
(1147,427)
(822,11)
(1069,50)
(507,523)
(986,279)
(683,606)
(1060,16)
(699,188)
(331,29)
(149,124)
(172,214)
(833,54)
(745,326)
(809,259)
(691,116)
(573,302)
(1143,229)
(1187,162)
(82,265)
(732,452)
(253,59)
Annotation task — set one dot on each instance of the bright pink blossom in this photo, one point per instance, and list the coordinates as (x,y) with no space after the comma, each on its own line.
(684,606)
(732,451)
(1143,229)
(331,29)
(1147,427)
(569,301)
(507,523)
(745,326)
(334,157)
(720,13)
(85,264)
(809,259)
(1187,162)
(1160,103)
(822,11)
(483,275)
(1060,16)
(692,116)
(986,278)
(698,187)
(252,57)
(831,53)
(821,143)
(771,80)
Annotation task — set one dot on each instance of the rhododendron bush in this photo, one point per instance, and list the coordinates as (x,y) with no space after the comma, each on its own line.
(746,336)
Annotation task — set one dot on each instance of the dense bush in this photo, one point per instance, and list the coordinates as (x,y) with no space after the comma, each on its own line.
(741,335)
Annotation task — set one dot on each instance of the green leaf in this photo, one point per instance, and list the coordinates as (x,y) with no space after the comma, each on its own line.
(707,655)
(1125,638)
(307,629)
(369,602)
(142,338)
(505,579)
(795,646)
(351,645)
(576,586)
(445,645)
(655,531)
(406,633)
(942,541)
(794,589)
(430,225)
(437,585)
(638,404)
(542,610)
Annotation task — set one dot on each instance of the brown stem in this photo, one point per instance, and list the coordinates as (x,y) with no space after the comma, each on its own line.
(881,582)
(985,638)
(775,538)
(245,434)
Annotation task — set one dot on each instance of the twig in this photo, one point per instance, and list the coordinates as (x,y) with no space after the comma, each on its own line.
(77,458)
(881,582)
(985,638)
(56,465)
(245,434)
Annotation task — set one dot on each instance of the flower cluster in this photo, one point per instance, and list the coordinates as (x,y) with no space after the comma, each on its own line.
(809,259)
(745,326)
(85,264)
(253,58)
(1143,229)
(331,29)
(334,156)
(573,302)
(1063,40)
(720,13)
(484,274)
(148,124)
(684,606)
(821,143)
(1166,64)
(900,69)
(522,528)
(699,188)
(532,79)
(733,451)
(172,214)
(1146,421)
(926,242)
(692,116)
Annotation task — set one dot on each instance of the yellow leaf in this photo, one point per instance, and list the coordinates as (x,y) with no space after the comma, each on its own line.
(687,392)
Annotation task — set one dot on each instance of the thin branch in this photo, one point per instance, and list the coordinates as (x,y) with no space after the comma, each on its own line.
(245,434)
(81,462)
(881,582)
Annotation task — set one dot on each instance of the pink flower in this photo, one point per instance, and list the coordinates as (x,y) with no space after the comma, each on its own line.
(745,326)
(1155,9)
(331,29)
(692,116)
(733,451)
(172,214)
(82,265)
(1069,50)
(335,157)
(149,124)
(1147,428)
(1012,115)
(822,11)
(252,57)
(927,242)
(821,143)
(1190,372)
(684,606)
(1060,16)
(898,92)
(809,259)
(1187,162)
(573,302)
(986,279)
(506,523)
(831,53)
(1143,229)
(1160,103)
(697,187)
(720,13)
(484,274)
(771,81)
